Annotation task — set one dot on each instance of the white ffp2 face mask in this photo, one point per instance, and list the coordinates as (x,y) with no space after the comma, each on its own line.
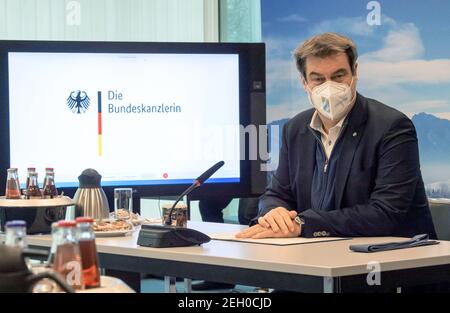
(332,100)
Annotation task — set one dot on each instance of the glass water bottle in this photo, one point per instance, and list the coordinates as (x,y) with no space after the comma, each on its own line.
(50,190)
(68,257)
(88,249)
(55,240)
(16,232)
(48,170)
(12,184)
(29,170)
(33,191)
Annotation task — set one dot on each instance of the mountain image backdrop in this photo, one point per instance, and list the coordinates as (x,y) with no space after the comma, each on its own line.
(434,138)
(433,134)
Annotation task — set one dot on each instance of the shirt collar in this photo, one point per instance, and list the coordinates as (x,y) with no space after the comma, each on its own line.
(316,123)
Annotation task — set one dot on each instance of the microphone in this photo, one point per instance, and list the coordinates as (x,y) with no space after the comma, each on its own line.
(201,179)
(197,183)
(163,236)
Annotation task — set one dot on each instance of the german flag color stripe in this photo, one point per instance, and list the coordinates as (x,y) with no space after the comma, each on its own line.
(99,96)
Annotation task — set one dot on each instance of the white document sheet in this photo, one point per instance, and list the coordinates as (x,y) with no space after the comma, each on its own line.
(273,241)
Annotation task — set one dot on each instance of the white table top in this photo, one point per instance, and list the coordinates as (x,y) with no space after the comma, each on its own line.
(326,259)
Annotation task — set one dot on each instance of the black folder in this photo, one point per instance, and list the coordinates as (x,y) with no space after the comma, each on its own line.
(416,241)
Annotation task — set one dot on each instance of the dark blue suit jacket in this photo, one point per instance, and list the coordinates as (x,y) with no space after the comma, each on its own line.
(379,189)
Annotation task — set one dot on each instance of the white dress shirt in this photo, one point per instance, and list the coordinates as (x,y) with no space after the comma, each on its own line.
(328,140)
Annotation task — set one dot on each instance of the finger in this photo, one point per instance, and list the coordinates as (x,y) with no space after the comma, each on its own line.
(292,214)
(249,231)
(262,221)
(281,223)
(288,220)
(270,219)
(252,233)
(285,213)
(244,233)
(264,234)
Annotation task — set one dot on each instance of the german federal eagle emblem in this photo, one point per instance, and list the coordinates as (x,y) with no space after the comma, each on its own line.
(78,102)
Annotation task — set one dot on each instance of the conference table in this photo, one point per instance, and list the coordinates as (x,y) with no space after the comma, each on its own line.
(314,267)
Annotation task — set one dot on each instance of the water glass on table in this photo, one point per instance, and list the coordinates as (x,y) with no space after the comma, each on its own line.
(123,203)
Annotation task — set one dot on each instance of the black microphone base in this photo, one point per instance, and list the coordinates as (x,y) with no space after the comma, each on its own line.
(162,236)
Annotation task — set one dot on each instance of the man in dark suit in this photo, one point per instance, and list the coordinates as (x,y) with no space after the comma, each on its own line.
(347,167)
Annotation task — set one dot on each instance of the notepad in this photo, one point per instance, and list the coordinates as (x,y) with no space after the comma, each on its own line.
(274,241)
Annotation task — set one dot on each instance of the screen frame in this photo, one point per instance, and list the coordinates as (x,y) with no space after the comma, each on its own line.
(247,69)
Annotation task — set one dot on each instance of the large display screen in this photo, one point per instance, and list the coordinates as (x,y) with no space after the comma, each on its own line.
(137,118)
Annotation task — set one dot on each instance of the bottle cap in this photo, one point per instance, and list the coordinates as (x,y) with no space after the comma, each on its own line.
(67,224)
(84,219)
(16,223)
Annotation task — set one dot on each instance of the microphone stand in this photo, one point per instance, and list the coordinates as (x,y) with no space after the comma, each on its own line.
(162,236)
(195,185)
